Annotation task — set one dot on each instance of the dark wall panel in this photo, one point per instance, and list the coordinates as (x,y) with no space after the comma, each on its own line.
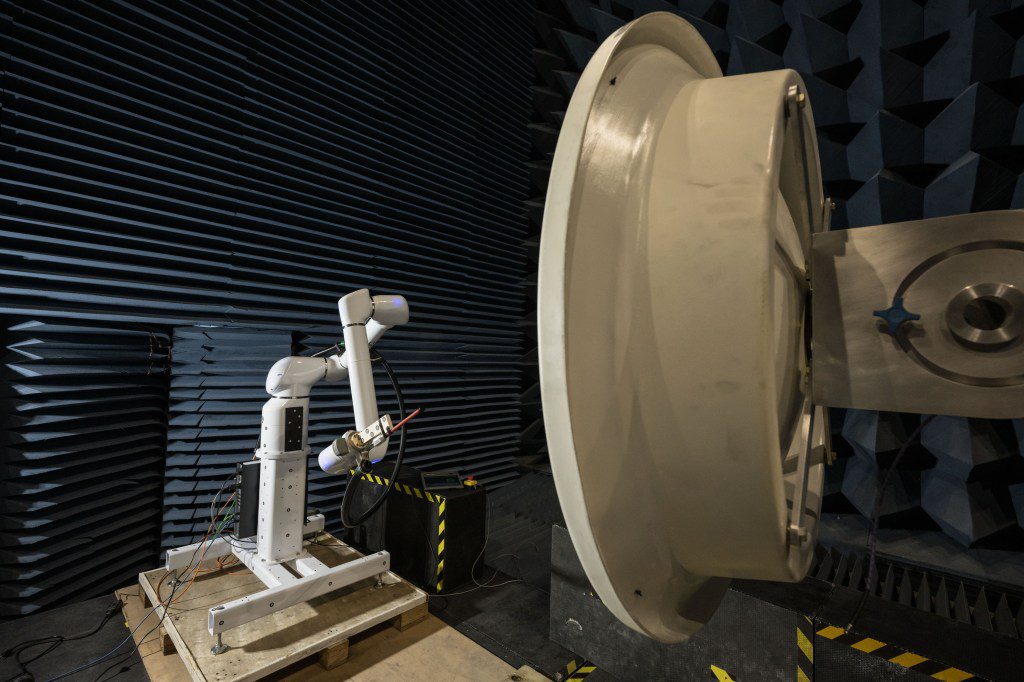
(223,171)
(83,410)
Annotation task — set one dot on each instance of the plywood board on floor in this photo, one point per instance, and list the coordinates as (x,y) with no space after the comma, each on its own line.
(428,651)
(290,643)
(279,639)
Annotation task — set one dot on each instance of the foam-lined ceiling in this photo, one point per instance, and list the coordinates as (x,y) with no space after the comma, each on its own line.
(222,169)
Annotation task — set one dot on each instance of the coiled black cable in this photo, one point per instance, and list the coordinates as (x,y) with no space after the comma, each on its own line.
(53,641)
(354,479)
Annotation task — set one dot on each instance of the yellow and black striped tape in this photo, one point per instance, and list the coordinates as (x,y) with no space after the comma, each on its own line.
(576,670)
(893,654)
(431,498)
(804,649)
(721,674)
(439,581)
(419,494)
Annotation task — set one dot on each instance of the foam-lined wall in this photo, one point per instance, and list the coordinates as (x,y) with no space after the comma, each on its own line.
(83,410)
(918,108)
(224,171)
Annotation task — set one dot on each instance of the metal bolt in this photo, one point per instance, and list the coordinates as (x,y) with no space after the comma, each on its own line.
(218,648)
(380,581)
(797,535)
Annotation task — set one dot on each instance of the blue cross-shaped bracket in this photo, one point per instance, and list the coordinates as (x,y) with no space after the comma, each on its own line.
(895,316)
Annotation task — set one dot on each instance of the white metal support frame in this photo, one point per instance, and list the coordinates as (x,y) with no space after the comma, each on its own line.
(280,559)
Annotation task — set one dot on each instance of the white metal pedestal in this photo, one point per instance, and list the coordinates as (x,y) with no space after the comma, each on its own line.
(288,582)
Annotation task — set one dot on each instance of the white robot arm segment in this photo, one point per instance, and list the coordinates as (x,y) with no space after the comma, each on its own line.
(365,320)
(337,365)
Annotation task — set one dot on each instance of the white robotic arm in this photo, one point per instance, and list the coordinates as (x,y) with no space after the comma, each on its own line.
(364,321)
(279,559)
(283,436)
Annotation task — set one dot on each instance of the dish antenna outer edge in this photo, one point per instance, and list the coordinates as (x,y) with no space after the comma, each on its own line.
(676,594)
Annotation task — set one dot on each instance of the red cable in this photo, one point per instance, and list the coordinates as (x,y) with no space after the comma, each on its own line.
(405,421)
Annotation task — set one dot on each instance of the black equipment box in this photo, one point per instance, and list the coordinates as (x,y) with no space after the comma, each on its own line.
(434,536)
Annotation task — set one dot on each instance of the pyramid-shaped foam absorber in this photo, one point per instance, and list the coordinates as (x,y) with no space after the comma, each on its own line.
(977,50)
(828,101)
(715,36)
(1017,499)
(885,25)
(888,80)
(754,19)
(884,198)
(968,512)
(815,46)
(748,57)
(969,449)
(546,64)
(876,437)
(860,485)
(972,183)
(580,13)
(977,118)
(885,141)
(832,155)
(604,24)
(579,48)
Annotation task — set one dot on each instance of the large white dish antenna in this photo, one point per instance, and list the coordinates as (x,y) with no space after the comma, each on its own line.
(672,292)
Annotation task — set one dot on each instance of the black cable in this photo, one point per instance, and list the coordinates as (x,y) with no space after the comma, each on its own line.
(54,641)
(178,580)
(869,579)
(131,635)
(346,500)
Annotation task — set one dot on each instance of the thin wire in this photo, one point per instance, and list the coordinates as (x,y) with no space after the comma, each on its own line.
(193,567)
(869,579)
(338,347)
(54,641)
(124,641)
(220,529)
(472,570)
(353,481)
(216,498)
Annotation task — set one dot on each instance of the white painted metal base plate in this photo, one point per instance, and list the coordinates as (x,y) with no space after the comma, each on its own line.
(671,320)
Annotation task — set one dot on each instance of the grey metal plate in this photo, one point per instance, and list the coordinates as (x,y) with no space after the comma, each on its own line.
(937,267)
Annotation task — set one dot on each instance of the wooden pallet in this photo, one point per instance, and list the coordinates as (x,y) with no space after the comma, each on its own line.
(321,626)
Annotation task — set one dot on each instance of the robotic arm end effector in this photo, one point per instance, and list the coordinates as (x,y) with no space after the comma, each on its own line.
(353,449)
(340,456)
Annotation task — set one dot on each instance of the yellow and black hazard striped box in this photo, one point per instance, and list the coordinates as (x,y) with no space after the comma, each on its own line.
(433,536)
